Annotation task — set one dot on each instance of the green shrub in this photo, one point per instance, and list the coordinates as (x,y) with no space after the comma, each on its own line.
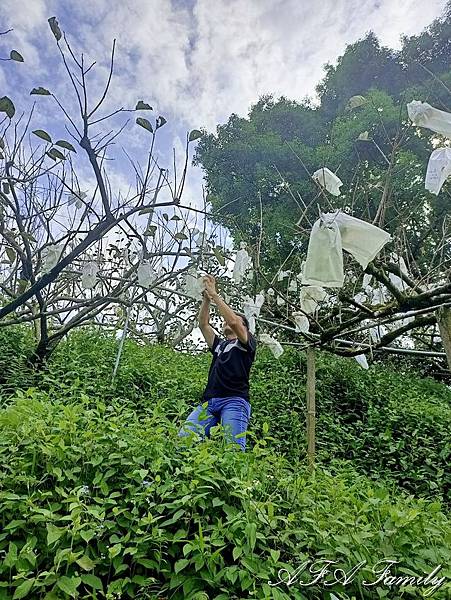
(100,500)
(389,422)
(15,346)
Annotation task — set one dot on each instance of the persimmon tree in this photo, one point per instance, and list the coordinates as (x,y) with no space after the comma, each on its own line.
(72,246)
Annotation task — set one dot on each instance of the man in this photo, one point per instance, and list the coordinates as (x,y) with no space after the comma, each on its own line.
(227,391)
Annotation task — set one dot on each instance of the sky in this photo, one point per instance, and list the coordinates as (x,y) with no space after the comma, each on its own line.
(194,61)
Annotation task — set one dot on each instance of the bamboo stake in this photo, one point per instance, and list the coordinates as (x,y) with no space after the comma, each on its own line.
(311,409)
(444,325)
(121,344)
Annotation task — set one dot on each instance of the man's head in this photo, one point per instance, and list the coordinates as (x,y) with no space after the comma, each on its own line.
(226,330)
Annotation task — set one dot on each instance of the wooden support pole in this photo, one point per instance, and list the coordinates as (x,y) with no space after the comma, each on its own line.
(311,409)
(444,324)
(121,343)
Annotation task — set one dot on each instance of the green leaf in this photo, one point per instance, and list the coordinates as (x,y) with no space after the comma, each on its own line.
(251,532)
(55,28)
(11,557)
(54,533)
(144,123)
(355,102)
(5,188)
(181,564)
(92,581)
(146,562)
(56,154)
(237,551)
(21,286)
(143,106)
(23,589)
(195,134)
(275,554)
(69,584)
(115,550)
(2,143)
(180,236)
(15,525)
(40,91)
(150,231)
(87,534)
(43,135)
(161,121)
(85,563)
(219,255)
(11,254)
(14,55)
(7,106)
(29,236)
(66,145)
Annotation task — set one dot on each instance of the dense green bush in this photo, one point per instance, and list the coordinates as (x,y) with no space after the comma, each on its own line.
(102,500)
(391,423)
(15,345)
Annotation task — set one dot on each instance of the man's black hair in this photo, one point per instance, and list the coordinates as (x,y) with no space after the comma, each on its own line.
(244,319)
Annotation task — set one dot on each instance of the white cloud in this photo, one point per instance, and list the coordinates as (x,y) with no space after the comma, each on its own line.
(195,63)
(200,64)
(20,14)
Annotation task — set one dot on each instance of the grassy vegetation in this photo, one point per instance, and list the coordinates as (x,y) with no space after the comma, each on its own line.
(99,497)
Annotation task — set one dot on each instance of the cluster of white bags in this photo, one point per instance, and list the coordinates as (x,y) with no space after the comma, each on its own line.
(310,296)
(89,275)
(194,284)
(301,321)
(423,114)
(361,359)
(146,274)
(251,309)
(242,262)
(328,180)
(50,257)
(379,294)
(439,169)
(272,344)
(332,233)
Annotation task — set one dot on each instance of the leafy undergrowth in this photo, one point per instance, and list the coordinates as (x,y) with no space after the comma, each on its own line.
(105,501)
(99,497)
(392,424)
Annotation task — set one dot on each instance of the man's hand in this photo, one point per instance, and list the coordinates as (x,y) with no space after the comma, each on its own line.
(204,320)
(210,286)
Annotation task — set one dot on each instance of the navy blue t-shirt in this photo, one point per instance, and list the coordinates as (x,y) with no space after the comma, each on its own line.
(230,368)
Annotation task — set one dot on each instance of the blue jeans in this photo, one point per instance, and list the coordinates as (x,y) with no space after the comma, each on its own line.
(233,412)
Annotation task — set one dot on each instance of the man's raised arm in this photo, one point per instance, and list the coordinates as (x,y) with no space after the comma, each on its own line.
(234,321)
(204,321)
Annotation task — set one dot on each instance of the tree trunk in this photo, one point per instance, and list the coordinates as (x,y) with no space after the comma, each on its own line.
(444,324)
(38,359)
